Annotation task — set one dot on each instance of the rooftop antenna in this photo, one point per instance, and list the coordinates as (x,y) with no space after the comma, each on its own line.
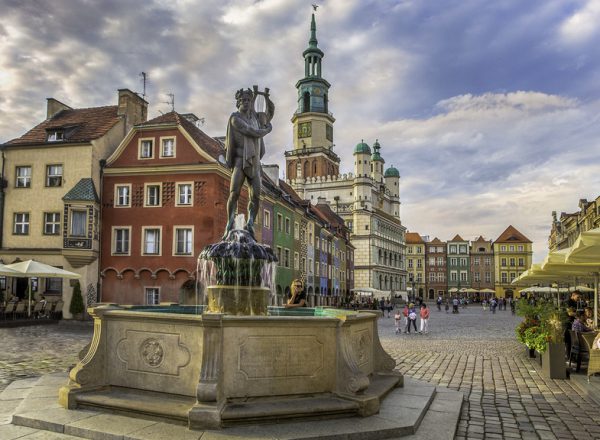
(171,102)
(144,76)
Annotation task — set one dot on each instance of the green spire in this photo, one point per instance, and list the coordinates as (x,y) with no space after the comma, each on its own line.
(313,33)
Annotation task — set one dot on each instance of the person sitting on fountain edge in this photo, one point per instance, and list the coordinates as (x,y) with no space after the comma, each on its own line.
(298,296)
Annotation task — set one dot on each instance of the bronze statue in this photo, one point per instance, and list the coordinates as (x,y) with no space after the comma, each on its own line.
(244,149)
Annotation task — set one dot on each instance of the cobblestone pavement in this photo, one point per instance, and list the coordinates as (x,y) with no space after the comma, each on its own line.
(474,352)
(36,350)
(477,353)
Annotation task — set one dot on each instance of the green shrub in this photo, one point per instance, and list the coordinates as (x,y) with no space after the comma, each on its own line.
(76,307)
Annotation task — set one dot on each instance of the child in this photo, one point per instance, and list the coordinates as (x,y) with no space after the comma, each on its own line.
(398,319)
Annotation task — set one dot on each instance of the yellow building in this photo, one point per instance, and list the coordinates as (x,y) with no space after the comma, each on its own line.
(513,254)
(415,264)
(51,199)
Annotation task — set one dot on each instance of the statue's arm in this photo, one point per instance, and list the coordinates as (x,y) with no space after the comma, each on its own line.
(241,126)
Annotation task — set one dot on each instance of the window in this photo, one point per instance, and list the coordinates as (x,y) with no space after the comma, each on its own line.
(296,231)
(453,276)
(504,278)
(54,285)
(431,276)
(296,260)
(279,255)
(463,276)
(409,250)
(151,241)
(521,262)
(122,195)
(286,258)
(463,261)
(287,225)
(167,147)
(463,249)
(476,261)
(410,263)
(512,248)
(419,263)
(51,223)
(476,277)
(440,261)
(146,148)
(121,240)
(512,276)
(21,223)
(184,194)
(310,266)
(503,248)
(520,248)
(503,262)
(453,261)
(267,219)
(452,249)
(152,296)
(78,223)
(432,261)
(279,222)
(488,261)
(183,241)
(152,195)
(54,175)
(317,269)
(488,277)
(55,135)
(303,264)
(23,177)
(512,261)
(418,249)
(432,249)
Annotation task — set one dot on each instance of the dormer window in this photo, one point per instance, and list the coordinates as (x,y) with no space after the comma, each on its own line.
(146,148)
(56,135)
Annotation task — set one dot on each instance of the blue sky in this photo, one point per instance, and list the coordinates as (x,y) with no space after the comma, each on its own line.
(489,109)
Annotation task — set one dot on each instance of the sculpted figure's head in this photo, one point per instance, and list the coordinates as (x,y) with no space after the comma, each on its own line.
(244,99)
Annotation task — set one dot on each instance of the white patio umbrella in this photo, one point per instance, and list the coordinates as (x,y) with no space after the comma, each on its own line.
(34,269)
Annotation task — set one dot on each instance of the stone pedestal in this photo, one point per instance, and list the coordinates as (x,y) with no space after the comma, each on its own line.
(238,300)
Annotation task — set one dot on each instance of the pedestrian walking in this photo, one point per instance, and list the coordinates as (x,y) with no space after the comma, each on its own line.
(484,305)
(398,321)
(439,303)
(382,306)
(447,306)
(424,314)
(455,305)
(388,307)
(493,305)
(412,318)
(405,316)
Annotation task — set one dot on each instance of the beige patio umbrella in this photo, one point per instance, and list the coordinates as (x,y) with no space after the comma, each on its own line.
(586,252)
(34,269)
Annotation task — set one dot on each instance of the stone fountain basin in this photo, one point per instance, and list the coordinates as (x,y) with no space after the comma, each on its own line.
(215,370)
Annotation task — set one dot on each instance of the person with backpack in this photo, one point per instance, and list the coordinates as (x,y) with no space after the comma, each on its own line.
(424,313)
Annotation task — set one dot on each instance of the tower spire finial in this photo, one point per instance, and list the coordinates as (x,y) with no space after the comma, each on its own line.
(313,33)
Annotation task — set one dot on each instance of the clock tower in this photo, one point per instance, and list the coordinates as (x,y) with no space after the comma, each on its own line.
(313,154)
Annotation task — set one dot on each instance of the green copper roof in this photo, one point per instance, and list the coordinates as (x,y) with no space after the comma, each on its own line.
(313,33)
(362,148)
(376,157)
(391,172)
(84,190)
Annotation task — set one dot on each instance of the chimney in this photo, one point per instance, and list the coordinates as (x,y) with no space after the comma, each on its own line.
(53,106)
(133,107)
(322,201)
(272,171)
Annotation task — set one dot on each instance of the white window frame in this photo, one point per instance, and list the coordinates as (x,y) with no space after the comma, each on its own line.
(267,219)
(185,228)
(160,194)
(279,222)
(155,291)
(453,275)
(178,186)
(162,147)
(26,180)
(288,225)
(54,224)
(296,261)
(24,223)
(311,267)
(54,176)
(117,203)
(113,250)
(141,143)
(296,231)
(160,236)
(70,229)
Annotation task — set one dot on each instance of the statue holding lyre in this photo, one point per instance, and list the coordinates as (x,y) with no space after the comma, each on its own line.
(245,148)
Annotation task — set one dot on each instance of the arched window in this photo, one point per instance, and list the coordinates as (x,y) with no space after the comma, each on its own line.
(306,102)
(314,168)
(380,260)
(381,281)
(290,170)
(306,170)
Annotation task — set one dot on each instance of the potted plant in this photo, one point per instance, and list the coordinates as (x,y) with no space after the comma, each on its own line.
(553,355)
(76,308)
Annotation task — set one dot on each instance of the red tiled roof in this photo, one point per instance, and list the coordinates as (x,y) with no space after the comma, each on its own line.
(331,217)
(86,124)
(413,237)
(512,235)
(289,190)
(457,238)
(204,141)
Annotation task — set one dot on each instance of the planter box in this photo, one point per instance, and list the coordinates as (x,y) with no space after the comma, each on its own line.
(553,361)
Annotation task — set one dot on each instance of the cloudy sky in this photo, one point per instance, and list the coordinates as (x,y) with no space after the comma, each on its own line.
(489,109)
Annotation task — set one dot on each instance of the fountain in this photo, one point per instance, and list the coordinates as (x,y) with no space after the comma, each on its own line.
(239,361)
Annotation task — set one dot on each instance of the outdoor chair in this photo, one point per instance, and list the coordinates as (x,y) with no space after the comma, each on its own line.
(9,310)
(594,354)
(57,310)
(37,309)
(19,310)
(575,349)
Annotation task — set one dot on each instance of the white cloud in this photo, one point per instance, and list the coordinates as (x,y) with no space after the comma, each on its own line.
(582,25)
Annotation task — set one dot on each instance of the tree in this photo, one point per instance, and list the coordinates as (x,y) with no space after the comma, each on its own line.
(76,307)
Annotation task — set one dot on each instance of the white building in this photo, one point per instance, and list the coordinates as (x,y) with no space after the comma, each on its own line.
(368,199)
